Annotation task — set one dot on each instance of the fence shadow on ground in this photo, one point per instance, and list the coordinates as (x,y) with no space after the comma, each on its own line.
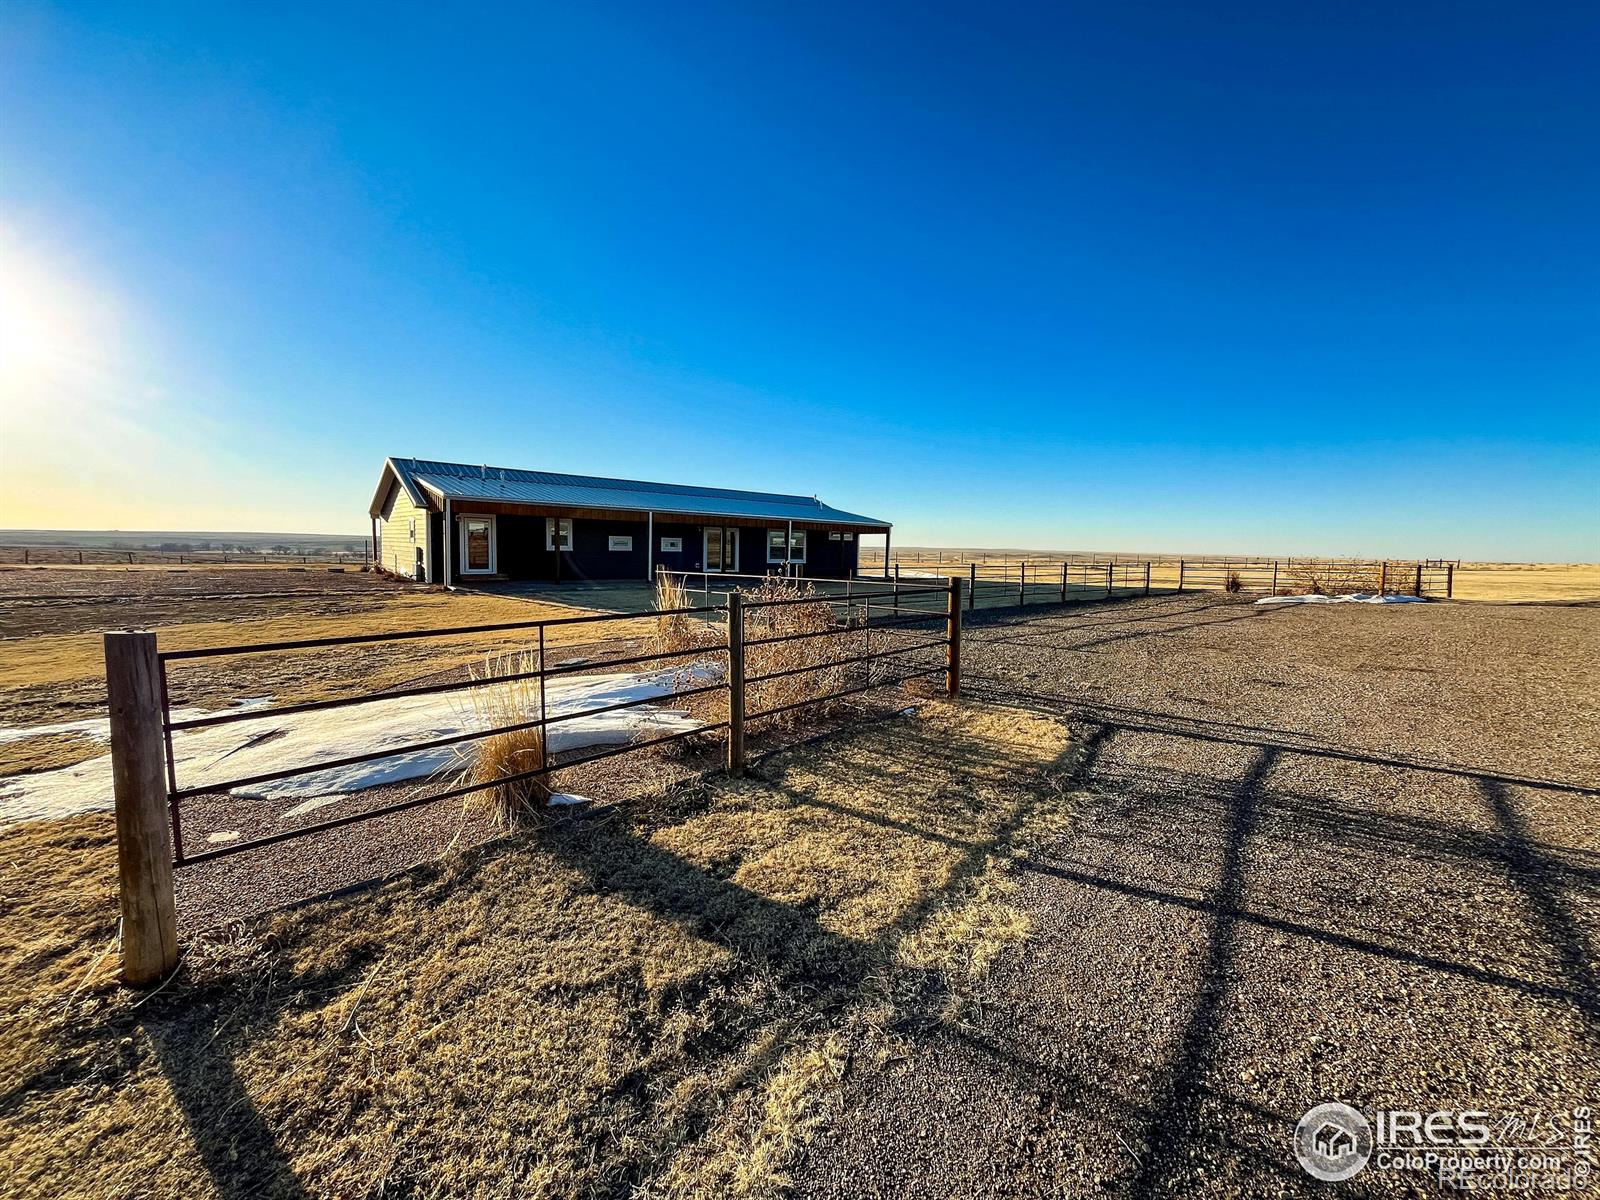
(1529,883)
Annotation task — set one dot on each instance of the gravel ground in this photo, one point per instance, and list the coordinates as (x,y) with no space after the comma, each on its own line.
(1318,854)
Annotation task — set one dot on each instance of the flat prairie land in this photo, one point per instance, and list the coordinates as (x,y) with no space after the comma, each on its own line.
(1173,871)
(1525,582)
(1508,583)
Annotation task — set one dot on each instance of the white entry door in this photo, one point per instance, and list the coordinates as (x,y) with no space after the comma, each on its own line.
(477,546)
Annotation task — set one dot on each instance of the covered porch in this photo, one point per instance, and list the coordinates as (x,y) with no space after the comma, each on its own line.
(491,542)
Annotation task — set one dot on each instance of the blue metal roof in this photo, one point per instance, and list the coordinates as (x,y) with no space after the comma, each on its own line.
(459,481)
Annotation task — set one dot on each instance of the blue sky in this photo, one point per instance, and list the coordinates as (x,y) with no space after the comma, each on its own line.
(1234,277)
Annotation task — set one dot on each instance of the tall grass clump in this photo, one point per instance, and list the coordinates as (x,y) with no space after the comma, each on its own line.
(675,631)
(813,616)
(1233,585)
(513,801)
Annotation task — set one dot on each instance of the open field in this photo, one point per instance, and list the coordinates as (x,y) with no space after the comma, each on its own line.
(98,546)
(1176,870)
(1504,583)
(1522,582)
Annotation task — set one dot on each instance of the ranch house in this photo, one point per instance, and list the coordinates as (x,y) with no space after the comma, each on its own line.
(452,523)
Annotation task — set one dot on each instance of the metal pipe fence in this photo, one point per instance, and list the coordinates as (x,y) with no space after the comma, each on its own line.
(150,797)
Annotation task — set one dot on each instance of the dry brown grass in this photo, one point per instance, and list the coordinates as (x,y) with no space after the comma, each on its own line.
(1527,582)
(656,1002)
(65,658)
(504,756)
(47,752)
(677,631)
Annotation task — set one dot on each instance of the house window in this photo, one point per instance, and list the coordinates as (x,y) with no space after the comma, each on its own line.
(796,550)
(672,545)
(411,527)
(614,542)
(558,533)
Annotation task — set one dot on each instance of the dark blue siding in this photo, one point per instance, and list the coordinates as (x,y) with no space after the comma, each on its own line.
(521,553)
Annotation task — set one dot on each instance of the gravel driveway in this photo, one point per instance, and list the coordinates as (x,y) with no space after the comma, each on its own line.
(1336,853)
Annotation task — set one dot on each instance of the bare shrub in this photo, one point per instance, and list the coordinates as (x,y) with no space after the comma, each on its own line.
(504,756)
(830,643)
(1331,578)
(1233,585)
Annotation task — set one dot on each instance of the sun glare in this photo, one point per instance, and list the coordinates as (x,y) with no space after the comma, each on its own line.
(55,334)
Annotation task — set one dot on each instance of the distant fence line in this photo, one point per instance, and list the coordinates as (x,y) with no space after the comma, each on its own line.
(912,554)
(140,556)
(1029,581)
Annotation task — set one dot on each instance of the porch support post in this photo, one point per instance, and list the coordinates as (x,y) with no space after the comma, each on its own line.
(886,533)
(788,552)
(449,536)
(649,546)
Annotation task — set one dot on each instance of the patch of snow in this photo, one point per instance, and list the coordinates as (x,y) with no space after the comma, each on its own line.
(558,799)
(1352,598)
(305,806)
(218,839)
(219,753)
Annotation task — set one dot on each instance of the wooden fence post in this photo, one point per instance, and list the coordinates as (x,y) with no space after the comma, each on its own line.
(1063,581)
(1449,580)
(952,633)
(1022,587)
(1383,577)
(972,591)
(1147,577)
(1110,567)
(735,683)
(139,784)
(1417,590)
(1274,577)
(1180,574)
(897,587)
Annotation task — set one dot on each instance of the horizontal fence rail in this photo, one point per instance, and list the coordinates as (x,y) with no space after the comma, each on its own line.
(876,631)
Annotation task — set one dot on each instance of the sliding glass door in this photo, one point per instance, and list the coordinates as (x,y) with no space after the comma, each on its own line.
(721,547)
